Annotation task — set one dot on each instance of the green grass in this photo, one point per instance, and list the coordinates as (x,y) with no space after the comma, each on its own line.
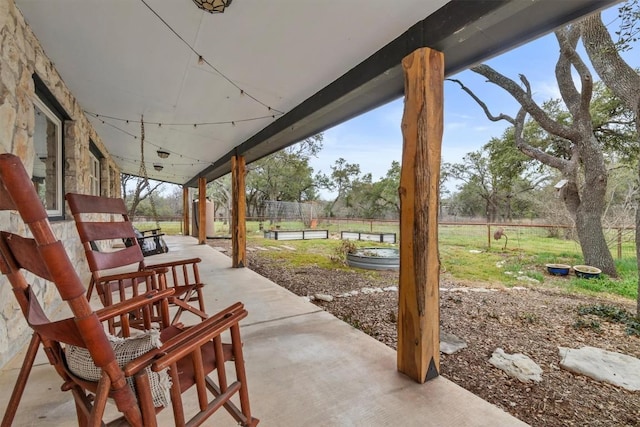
(526,253)
(168,227)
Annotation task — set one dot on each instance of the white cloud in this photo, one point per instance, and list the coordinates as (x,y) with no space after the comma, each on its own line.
(545,90)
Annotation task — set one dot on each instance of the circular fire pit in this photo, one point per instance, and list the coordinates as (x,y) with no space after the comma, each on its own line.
(375,258)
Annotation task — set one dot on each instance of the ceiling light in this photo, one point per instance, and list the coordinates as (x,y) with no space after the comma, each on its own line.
(163,154)
(213,6)
(158,167)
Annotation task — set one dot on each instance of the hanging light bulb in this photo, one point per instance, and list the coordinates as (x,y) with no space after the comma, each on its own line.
(163,154)
(213,6)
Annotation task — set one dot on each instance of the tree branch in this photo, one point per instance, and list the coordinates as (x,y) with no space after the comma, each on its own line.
(577,101)
(526,101)
(482,105)
(623,80)
(533,152)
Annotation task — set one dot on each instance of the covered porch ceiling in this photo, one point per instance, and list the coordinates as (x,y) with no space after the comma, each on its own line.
(263,75)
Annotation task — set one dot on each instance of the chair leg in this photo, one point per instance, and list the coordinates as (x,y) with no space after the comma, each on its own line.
(100,402)
(145,399)
(83,420)
(241,374)
(21,381)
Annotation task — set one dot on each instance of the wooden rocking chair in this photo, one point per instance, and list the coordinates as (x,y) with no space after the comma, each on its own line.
(88,212)
(188,354)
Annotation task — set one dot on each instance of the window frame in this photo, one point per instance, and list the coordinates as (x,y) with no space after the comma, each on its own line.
(39,101)
(95,165)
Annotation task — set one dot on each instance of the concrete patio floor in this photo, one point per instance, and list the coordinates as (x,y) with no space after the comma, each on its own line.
(304,366)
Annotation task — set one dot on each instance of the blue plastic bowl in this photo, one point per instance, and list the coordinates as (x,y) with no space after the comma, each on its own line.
(558,269)
(586,271)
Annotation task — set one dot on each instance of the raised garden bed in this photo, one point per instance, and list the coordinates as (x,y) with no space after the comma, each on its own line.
(296,234)
(369,237)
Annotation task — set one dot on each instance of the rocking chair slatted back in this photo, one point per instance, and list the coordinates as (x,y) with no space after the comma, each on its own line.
(183,275)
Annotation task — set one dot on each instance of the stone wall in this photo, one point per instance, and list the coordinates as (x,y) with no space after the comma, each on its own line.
(20,57)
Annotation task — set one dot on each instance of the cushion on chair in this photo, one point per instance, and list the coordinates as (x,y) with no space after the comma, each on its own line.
(81,364)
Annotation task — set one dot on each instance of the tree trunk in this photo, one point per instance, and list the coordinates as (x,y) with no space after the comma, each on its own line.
(594,245)
(638,240)
(587,208)
(623,81)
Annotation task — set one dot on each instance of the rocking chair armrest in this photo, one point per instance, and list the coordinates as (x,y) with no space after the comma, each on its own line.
(188,345)
(132,275)
(133,304)
(151,236)
(190,339)
(170,264)
(151,230)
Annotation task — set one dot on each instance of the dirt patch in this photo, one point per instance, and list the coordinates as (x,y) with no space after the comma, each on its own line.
(530,321)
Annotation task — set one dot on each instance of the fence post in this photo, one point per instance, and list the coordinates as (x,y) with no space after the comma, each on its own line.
(619,243)
(489,235)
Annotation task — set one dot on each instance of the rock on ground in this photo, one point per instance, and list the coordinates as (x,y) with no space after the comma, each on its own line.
(516,365)
(450,343)
(602,365)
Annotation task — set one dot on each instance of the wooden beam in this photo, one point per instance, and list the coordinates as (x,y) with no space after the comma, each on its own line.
(185,210)
(202,211)
(238,213)
(418,304)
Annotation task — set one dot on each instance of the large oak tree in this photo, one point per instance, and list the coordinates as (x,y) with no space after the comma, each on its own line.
(577,153)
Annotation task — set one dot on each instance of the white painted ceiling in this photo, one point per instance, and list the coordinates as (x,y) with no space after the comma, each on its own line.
(121,62)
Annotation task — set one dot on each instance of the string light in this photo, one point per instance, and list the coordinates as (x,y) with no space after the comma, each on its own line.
(164,174)
(136,161)
(149,142)
(230,81)
(160,124)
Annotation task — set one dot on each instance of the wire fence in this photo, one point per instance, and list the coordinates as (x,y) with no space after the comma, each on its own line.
(558,239)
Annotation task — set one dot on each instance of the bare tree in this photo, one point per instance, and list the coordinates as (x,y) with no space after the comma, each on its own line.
(142,189)
(582,162)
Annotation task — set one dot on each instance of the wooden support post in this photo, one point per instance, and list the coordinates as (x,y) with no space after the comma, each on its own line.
(418,304)
(238,213)
(185,210)
(202,211)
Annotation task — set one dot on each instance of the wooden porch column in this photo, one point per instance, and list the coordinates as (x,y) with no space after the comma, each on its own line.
(185,210)
(238,213)
(202,211)
(418,305)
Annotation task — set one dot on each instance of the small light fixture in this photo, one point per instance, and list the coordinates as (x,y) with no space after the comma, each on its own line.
(163,154)
(43,158)
(213,6)
(158,167)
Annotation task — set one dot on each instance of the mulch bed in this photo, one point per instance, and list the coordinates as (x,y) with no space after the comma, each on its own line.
(530,321)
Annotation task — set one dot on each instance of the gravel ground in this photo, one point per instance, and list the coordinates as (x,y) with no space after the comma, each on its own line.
(522,320)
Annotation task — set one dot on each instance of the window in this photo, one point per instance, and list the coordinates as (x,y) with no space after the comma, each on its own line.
(94,175)
(48,161)
(95,156)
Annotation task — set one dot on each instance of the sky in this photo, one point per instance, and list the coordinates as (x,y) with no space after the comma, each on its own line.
(373,140)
